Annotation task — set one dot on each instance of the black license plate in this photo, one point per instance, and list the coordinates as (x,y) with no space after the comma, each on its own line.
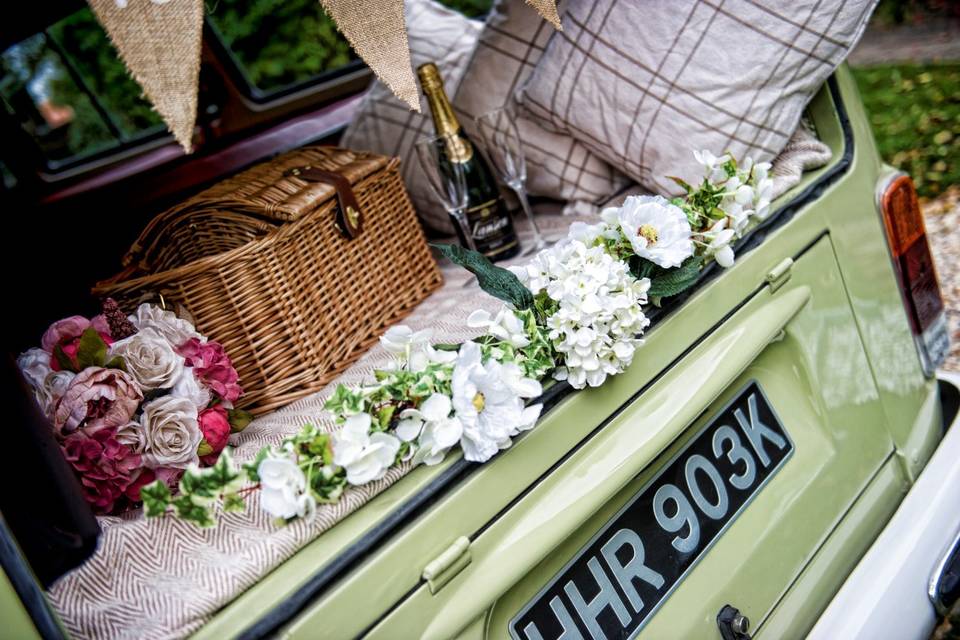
(618,580)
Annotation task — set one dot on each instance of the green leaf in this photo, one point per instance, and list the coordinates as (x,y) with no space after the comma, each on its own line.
(238,419)
(497,281)
(641,267)
(116,362)
(670,282)
(683,184)
(234,503)
(64,360)
(92,351)
(222,473)
(204,448)
(199,484)
(199,514)
(385,415)
(155,497)
(251,467)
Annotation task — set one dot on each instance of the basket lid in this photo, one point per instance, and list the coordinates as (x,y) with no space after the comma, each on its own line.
(270,189)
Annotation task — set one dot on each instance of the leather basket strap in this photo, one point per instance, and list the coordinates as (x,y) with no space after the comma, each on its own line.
(348,216)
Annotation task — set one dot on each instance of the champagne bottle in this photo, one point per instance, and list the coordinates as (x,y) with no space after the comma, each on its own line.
(491,226)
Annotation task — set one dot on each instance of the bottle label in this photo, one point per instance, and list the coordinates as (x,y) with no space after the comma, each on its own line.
(492,231)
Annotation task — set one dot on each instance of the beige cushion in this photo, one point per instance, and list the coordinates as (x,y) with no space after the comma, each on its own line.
(385,125)
(510,44)
(642,84)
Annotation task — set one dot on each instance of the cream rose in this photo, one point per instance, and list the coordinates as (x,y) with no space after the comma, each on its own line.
(35,366)
(133,436)
(166,323)
(150,359)
(53,388)
(172,432)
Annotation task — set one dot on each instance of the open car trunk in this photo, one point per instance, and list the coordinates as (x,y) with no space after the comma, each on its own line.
(776,341)
(759,441)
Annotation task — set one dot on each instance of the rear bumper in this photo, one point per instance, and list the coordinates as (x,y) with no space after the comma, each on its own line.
(887,595)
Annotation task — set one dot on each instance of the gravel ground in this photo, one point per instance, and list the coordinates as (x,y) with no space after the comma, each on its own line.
(943,230)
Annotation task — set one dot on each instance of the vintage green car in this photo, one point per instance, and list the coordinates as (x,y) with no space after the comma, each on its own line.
(779,460)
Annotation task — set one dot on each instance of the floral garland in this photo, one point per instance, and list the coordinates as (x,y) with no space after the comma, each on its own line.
(133,400)
(574,313)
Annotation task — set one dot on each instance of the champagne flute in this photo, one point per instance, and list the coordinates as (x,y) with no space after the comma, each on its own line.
(448,182)
(499,136)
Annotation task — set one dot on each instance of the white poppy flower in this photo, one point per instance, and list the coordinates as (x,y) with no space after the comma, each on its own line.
(364,456)
(657,230)
(488,400)
(505,325)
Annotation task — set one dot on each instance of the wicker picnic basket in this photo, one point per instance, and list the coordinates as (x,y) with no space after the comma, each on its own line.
(296,266)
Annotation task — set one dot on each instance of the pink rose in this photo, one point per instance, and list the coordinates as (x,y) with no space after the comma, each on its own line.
(212,366)
(106,468)
(66,334)
(215,427)
(97,399)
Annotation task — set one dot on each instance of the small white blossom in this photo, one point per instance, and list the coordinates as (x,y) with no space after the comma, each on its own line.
(365,456)
(283,489)
(718,239)
(401,339)
(505,325)
(432,427)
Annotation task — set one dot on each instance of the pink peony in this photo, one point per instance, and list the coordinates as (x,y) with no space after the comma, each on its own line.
(107,469)
(66,334)
(212,366)
(97,399)
(216,430)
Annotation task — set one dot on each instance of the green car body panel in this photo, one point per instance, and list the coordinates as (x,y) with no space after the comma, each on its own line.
(828,342)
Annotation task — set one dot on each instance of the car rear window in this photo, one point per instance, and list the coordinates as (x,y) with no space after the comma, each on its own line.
(69,91)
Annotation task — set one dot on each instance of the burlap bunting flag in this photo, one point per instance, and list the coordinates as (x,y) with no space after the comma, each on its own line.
(159,41)
(160,44)
(378,33)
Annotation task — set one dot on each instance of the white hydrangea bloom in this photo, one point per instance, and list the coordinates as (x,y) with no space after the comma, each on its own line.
(598,324)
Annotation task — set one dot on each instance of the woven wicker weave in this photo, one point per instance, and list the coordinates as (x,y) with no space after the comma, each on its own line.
(257,262)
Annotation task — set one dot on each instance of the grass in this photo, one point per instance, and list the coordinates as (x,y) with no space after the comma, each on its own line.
(915,114)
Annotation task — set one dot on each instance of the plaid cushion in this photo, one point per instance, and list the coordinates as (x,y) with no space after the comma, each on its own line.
(383,124)
(509,47)
(642,84)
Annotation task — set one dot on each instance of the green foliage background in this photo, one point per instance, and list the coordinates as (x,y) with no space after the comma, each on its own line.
(915,114)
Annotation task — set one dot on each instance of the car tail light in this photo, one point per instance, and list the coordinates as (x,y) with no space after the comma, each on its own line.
(911,255)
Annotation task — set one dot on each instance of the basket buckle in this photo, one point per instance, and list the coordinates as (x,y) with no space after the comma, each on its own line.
(347,218)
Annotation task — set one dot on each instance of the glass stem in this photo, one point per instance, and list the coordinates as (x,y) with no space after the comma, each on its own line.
(521,191)
(461,217)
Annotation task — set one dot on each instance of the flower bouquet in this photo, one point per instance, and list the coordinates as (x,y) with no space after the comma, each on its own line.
(574,313)
(133,400)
